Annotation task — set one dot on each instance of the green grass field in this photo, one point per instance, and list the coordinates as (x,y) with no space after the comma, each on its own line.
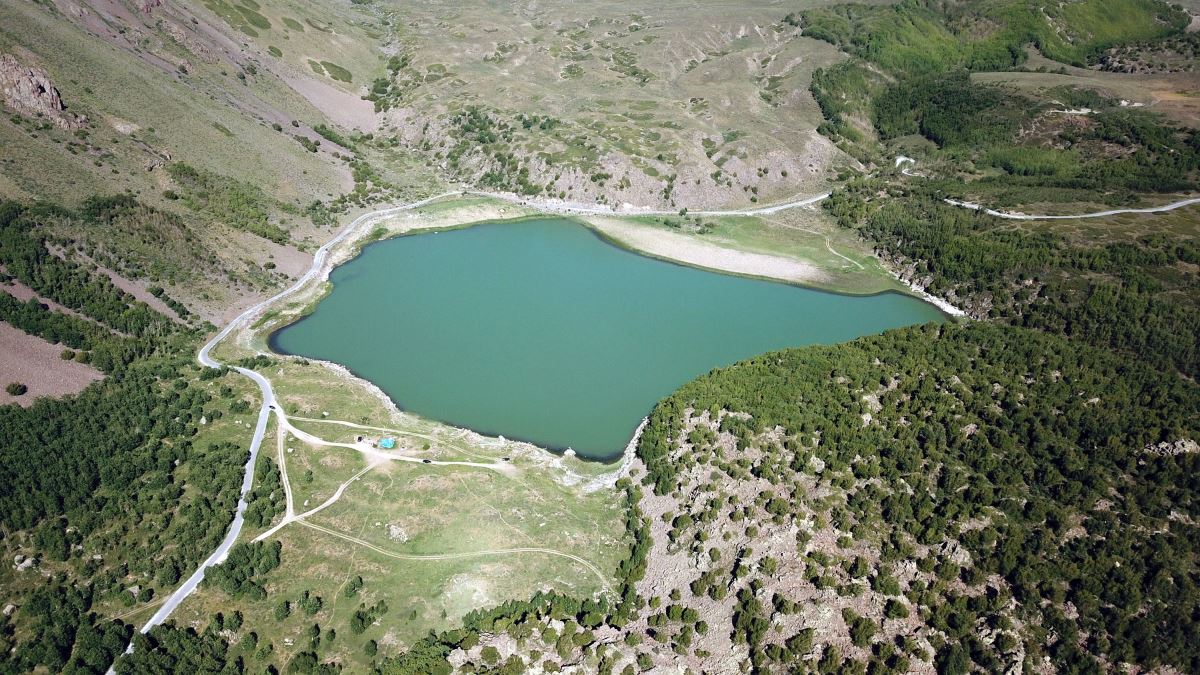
(400,509)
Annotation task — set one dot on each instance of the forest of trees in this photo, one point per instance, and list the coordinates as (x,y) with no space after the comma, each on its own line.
(1056,429)
(1134,296)
(102,504)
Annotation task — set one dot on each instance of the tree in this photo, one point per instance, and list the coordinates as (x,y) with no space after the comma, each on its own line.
(490,655)
(895,610)
(952,659)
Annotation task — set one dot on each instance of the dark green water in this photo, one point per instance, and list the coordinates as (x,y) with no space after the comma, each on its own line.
(541,331)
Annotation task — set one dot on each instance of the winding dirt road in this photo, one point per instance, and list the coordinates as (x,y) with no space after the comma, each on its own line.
(463,554)
(1096,214)
(559,206)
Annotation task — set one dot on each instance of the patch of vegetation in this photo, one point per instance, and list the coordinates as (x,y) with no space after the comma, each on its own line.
(229,201)
(98,345)
(844,92)
(1178,53)
(241,16)
(923,37)
(333,136)
(309,144)
(169,649)
(481,132)
(624,61)
(25,253)
(950,110)
(318,25)
(386,92)
(237,574)
(267,500)
(337,72)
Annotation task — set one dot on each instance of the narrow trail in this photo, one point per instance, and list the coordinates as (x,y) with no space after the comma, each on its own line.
(291,517)
(910,162)
(139,610)
(849,260)
(1096,214)
(560,206)
(464,554)
(289,510)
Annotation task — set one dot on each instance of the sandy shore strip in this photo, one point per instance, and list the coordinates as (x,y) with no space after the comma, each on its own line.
(689,250)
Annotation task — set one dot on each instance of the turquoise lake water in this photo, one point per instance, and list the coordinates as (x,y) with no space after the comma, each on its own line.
(541,331)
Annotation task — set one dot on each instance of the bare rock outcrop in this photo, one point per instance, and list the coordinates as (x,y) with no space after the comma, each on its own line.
(1169,449)
(30,92)
(190,43)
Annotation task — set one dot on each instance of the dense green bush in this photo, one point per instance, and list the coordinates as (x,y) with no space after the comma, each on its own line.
(168,649)
(26,256)
(238,574)
(949,109)
(231,202)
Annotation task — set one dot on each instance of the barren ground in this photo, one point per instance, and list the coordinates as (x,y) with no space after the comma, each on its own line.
(32,361)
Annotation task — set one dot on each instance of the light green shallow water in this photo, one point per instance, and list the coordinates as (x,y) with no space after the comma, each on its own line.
(541,331)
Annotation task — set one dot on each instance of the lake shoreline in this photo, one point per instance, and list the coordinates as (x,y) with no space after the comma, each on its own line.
(456,213)
(504,342)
